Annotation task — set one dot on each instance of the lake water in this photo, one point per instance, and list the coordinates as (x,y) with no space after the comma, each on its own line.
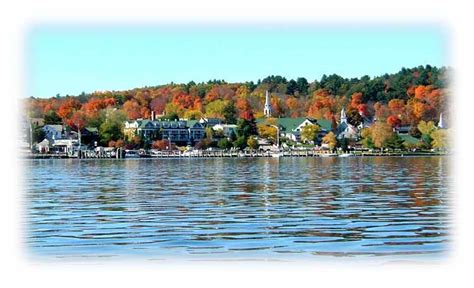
(237,208)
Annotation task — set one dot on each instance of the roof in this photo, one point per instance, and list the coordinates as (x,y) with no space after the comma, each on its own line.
(230,126)
(58,128)
(45,142)
(156,124)
(405,128)
(142,123)
(288,124)
(92,129)
(409,139)
(324,124)
(191,123)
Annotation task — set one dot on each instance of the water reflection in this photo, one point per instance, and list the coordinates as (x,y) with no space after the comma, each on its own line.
(237,207)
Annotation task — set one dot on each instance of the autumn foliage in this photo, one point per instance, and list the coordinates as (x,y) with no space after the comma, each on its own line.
(404,98)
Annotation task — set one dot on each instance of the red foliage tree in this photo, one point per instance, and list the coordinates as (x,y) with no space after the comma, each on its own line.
(363,110)
(183,100)
(356,100)
(397,106)
(244,109)
(162,145)
(132,109)
(158,104)
(67,108)
(394,121)
(77,122)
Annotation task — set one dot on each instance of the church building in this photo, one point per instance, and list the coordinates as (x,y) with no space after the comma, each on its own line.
(345,129)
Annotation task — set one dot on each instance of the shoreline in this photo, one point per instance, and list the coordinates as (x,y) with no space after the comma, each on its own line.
(247,155)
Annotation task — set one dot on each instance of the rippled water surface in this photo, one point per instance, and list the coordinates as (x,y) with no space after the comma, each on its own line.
(266,208)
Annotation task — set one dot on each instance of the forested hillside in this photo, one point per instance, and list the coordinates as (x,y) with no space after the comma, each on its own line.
(405,97)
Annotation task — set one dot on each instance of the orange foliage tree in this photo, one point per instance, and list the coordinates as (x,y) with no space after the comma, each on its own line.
(67,108)
(356,100)
(394,121)
(244,109)
(77,122)
(135,111)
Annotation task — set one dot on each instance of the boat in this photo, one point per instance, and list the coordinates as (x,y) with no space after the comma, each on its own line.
(131,154)
(345,155)
(143,154)
(277,154)
(155,153)
(328,155)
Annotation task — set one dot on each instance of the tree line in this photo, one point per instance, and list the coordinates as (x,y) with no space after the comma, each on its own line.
(403,98)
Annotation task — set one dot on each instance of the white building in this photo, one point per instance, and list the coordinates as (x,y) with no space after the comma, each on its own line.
(69,146)
(226,129)
(44,146)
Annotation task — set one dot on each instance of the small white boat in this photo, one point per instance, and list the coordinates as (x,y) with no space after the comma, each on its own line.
(328,155)
(131,154)
(277,154)
(155,153)
(345,155)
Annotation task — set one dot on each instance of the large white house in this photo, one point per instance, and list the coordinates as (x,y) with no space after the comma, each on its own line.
(291,128)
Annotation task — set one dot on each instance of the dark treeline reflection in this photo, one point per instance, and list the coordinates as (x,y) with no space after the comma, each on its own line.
(238,207)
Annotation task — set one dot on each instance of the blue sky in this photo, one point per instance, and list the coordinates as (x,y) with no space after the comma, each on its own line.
(70,59)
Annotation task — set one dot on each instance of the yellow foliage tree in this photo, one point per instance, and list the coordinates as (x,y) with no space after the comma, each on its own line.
(440,139)
(252,143)
(267,132)
(426,128)
(365,132)
(330,140)
(192,114)
(309,132)
(172,108)
(380,133)
(215,109)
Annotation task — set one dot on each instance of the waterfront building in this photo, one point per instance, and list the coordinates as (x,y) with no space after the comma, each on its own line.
(68,146)
(290,128)
(89,135)
(226,129)
(196,131)
(210,122)
(53,132)
(178,131)
(44,146)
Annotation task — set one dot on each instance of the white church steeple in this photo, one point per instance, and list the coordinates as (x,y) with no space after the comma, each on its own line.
(343,116)
(441,122)
(267,110)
